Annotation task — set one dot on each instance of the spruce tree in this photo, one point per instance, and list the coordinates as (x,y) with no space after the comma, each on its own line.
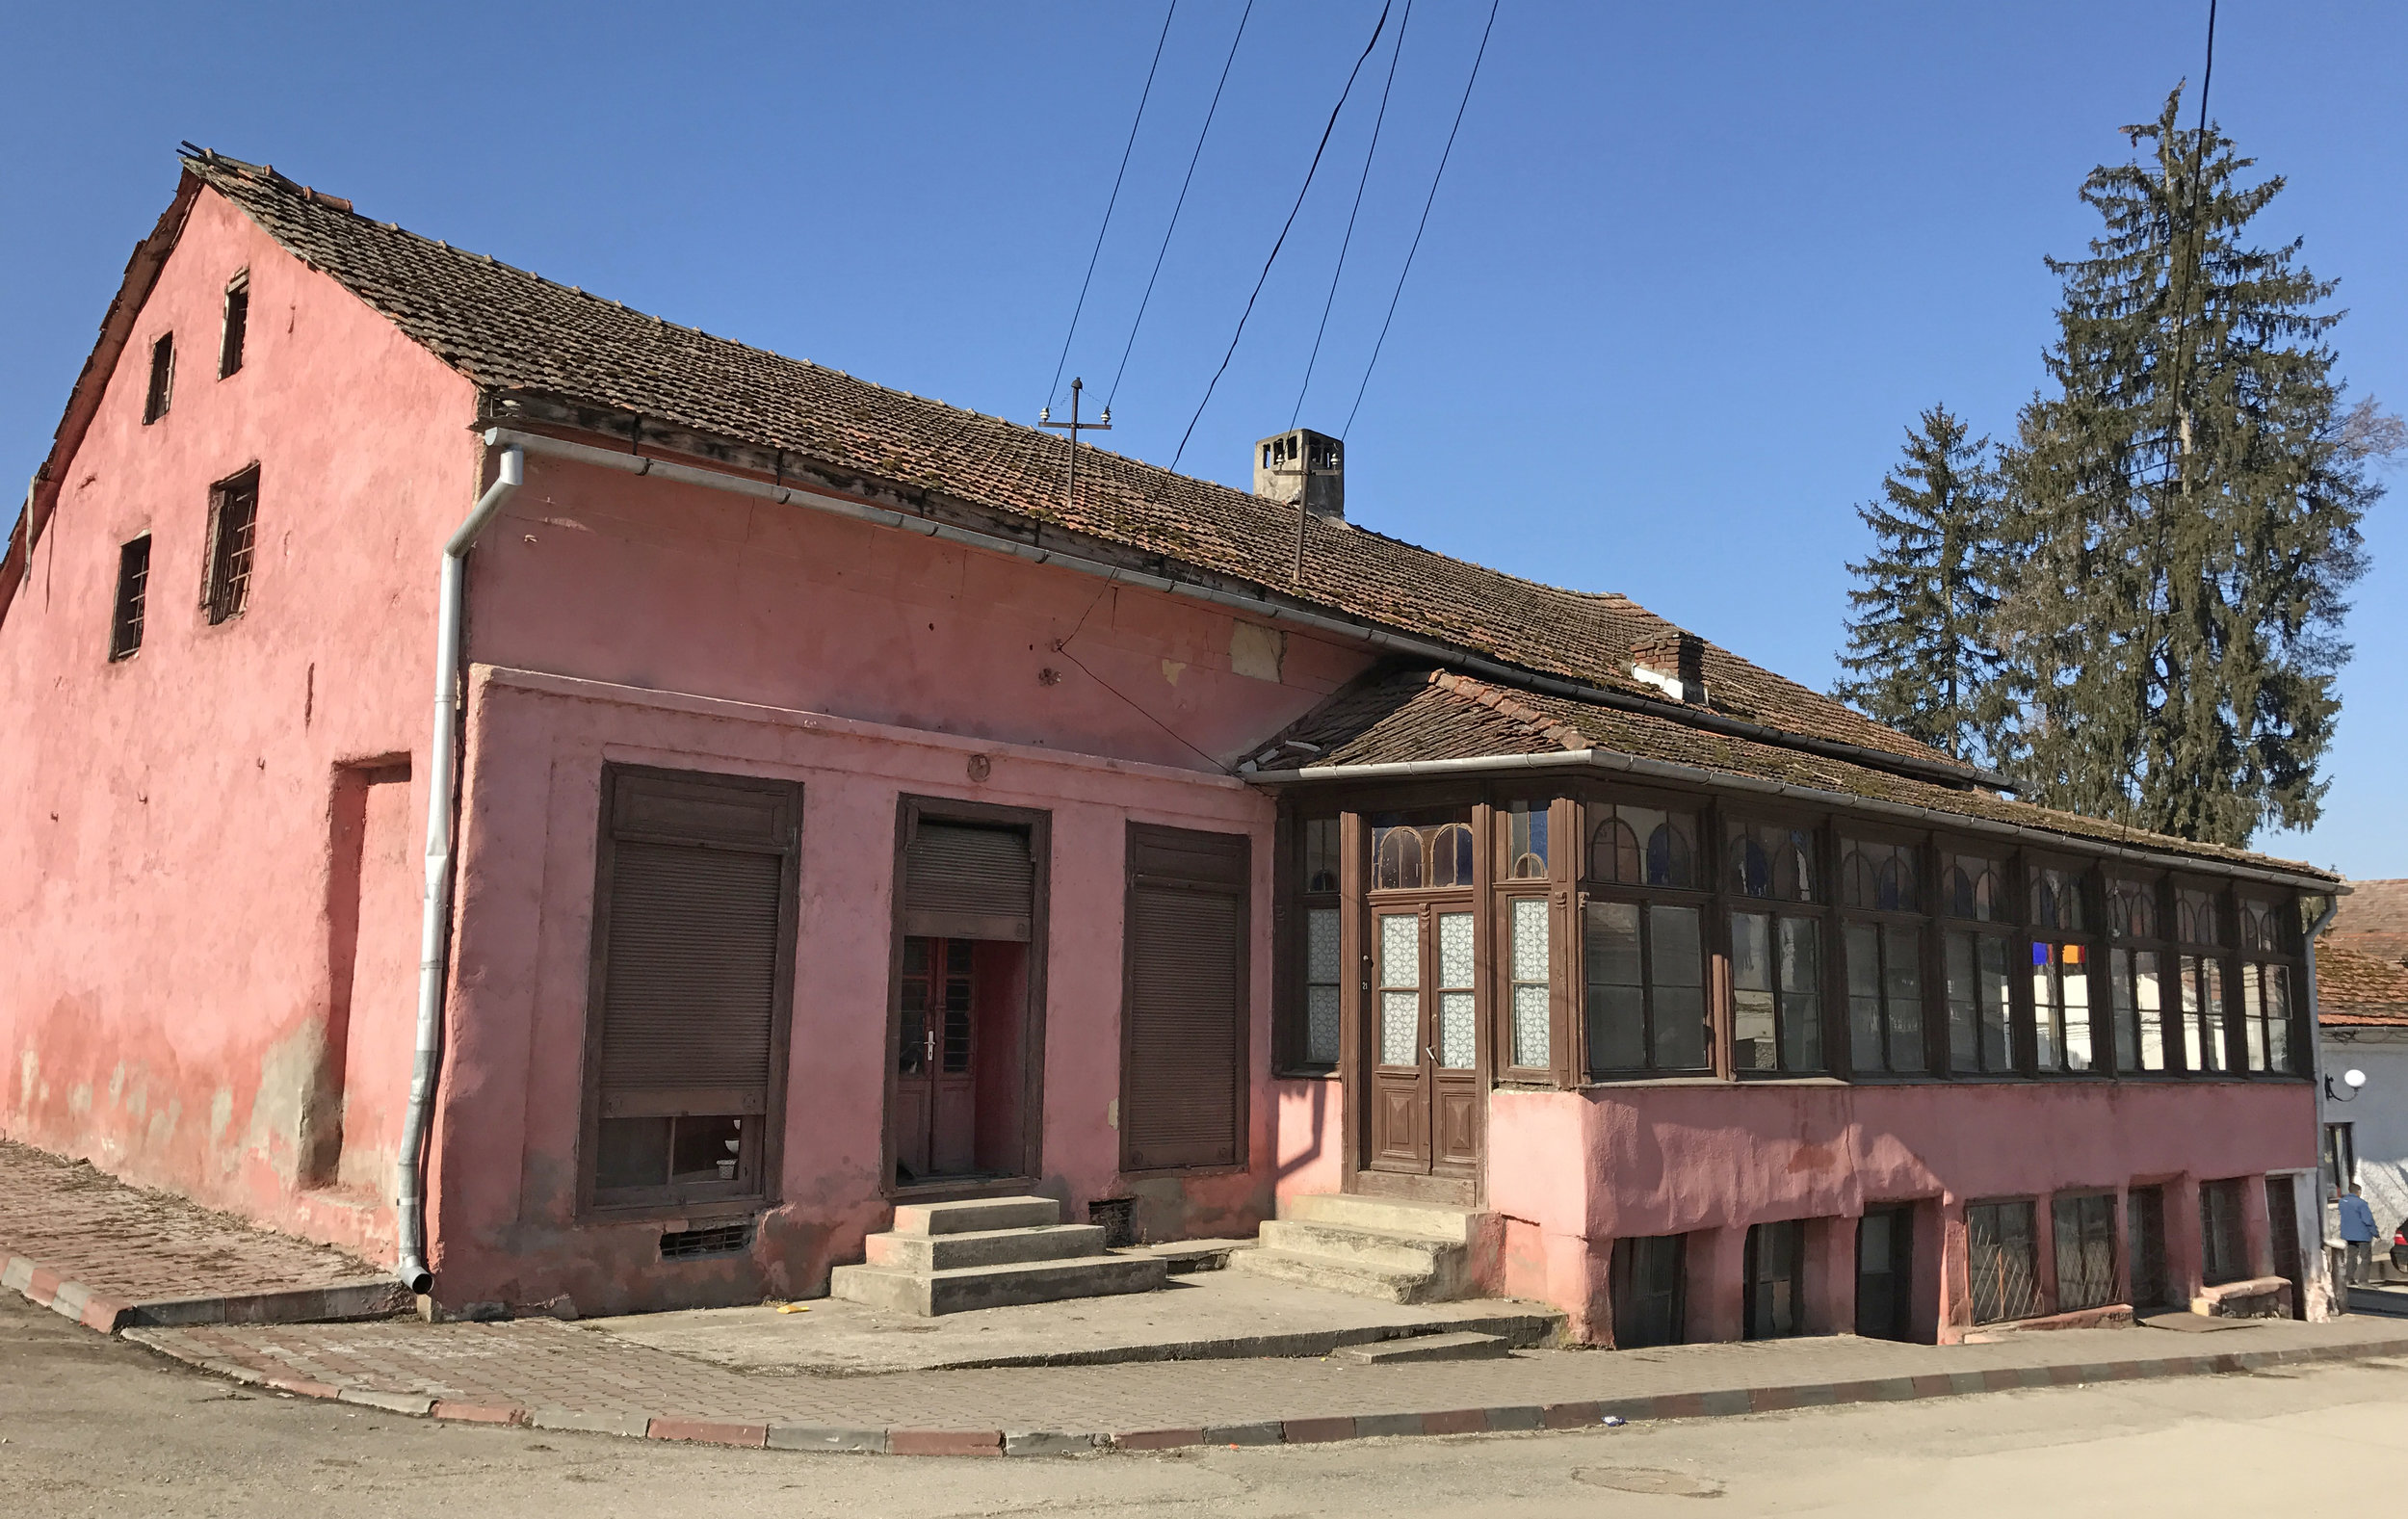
(2183,512)
(1917,644)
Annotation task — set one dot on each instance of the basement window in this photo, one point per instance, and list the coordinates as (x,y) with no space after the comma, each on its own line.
(233,526)
(237,324)
(125,623)
(162,378)
(2003,1260)
(718,1239)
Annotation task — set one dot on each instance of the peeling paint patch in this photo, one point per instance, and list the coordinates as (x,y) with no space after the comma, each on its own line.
(1172,669)
(28,1080)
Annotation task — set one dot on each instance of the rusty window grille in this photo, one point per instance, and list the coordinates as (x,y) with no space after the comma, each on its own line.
(718,1239)
(2004,1260)
(233,526)
(2085,1251)
(237,324)
(1648,1281)
(125,625)
(161,387)
(2223,1249)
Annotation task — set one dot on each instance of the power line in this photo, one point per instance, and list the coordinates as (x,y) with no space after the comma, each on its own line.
(1142,96)
(1314,167)
(1425,227)
(1404,21)
(1176,206)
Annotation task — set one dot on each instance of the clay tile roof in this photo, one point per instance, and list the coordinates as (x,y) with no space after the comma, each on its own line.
(1420,713)
(2374,918)
(514,331)
(2357,989)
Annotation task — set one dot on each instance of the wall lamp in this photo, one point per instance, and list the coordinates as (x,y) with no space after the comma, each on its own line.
(2351,1079)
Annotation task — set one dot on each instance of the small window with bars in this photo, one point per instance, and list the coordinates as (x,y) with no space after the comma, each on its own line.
(237,325)
(2003,1259)
(125,622)
(234,530)
(2223,1238)
(2085,1251)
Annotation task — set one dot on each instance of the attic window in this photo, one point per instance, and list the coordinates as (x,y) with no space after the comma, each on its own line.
(237,321)
(162,378)
(233,524)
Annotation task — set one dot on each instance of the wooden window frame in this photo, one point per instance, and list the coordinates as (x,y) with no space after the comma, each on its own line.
(1590,805)
(1554,889)
(2121,948)
(2108,1289)
(2219,1014)
(2004,927)
(234,325)
(1918,919)
(1243,1056)
(159,385)
(1756,1313)
(2211,1240)
(230,567)
(1294,902)
(2281,911)
(761,1187)
(2030,1306)
(1814,907)
(2079,874)
(910,811)
(1622,1267)
(129,606)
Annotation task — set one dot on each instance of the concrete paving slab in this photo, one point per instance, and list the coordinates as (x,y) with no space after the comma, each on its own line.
(1202,1316)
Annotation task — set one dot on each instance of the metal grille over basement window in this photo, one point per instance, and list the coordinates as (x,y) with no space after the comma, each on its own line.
(233,526)
(126,627)
(2004,1258)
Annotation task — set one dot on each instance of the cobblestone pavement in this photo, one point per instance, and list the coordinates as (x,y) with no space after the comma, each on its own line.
(562,1375)
(90,1229)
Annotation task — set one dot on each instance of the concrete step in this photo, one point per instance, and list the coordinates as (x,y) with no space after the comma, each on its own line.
(942,1252)
(1425,1220)
(976,1216)
(1332,1273)
(1462,1347)
(1184,1257)
(929,1293)
(1384,1248)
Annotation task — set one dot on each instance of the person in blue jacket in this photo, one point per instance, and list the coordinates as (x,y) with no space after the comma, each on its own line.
(2358,1236)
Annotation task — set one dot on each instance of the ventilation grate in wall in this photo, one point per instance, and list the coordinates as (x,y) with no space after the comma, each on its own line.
(718,1239)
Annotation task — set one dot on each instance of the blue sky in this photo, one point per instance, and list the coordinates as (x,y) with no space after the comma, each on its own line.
(1692,270)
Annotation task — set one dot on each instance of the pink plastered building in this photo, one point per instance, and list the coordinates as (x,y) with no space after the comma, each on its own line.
(839,808)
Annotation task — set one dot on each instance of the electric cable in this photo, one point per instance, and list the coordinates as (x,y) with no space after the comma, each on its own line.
(1402,22)
(1424,225)
(1176,207)
(1112,201)
(1214,383)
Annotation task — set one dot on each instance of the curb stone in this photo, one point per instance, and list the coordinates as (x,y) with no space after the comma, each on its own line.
(367,1298)
(1719,1403)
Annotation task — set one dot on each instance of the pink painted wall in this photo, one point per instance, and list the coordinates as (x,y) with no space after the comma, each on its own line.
(504,1222)
(1572,1172)
(166,963)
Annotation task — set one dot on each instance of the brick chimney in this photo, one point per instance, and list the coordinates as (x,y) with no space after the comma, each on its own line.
(1674,662)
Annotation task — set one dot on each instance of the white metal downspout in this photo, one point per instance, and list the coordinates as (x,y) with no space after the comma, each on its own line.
(2336,1294)
(442,778)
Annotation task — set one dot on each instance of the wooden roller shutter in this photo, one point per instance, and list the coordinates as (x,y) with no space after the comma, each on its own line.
(967,881)
(692,967)
(1183,1016)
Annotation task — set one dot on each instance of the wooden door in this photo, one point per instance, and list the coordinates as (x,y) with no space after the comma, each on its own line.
(1425,1087)
(936,1110)
(2144,1236)
(1885,1273)
(2282,1219)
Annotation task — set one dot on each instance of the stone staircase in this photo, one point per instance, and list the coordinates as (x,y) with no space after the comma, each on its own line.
(1380,1248)
(946,1257)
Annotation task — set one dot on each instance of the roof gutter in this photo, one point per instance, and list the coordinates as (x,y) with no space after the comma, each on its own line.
(1812,795)
(434,919)
(1351,629)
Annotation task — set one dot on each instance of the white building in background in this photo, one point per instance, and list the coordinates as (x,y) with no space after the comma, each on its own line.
(2362,1013)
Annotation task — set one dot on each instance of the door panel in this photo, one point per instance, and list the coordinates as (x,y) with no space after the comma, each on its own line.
(1428,1103)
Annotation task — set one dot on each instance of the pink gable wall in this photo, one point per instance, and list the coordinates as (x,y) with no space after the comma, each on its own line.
(167,965)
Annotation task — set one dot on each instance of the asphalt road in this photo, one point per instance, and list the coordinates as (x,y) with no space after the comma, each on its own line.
(97,1426)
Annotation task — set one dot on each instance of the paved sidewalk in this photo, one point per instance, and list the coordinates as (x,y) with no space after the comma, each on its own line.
(87,1246)
(562,1377)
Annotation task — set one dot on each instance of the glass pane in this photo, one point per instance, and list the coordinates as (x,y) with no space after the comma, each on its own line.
(1522,841)
(1400,950)
(1450,855)
(1320,854)
(1320,1025)
(1903,989)
(1769,860)
(2188,978)
(1801,994)
(915,957)
(1612,944)
(2278,1018)
(2120,978)
(1616,1005)
(1454,1031)
(2149,1007)
(2046,1014)
(1862,942)
(1964,998)
(1321,946)
(1677,959)
(2075,987)
(1395,858)
(2252,1015)
(1996,1011)
(632,1152)
(1454,950)
(1971,888)
(1401,1028)
(1530,939)
(1531,1022)
(1680,1029)
(706,1149)
(1530,1026)
(2211,999)
(1753,1045)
